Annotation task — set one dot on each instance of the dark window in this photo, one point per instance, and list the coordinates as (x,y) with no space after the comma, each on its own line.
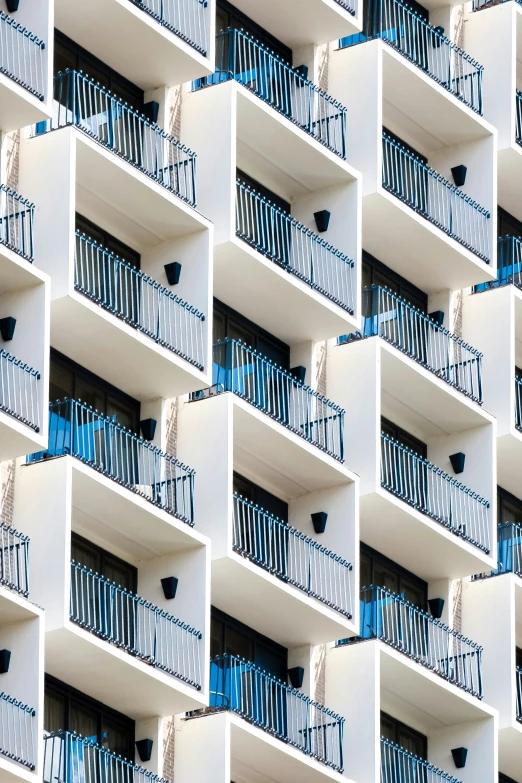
(509,508)
(104,563)
(230,323)
(69,54)
(378,570)
(267,194)
(228,635)
(66,709)
(504,778)
(109,242)
(69,379)
(410,740)
(260,497)
(229,16)
(508,225)
(376,273)
(519,658)
(405,438)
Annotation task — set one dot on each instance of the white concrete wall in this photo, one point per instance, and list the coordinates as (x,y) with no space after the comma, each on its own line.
(211,733)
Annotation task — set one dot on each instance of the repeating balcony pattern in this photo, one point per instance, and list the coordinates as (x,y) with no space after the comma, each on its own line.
(270,704)
(292,556)
(81,102)
(399,766)
(387,315)
(433,492)
(518,403)
(19,390)
(294,247)
(14,560)
(17,740)
(103,444)
(435,199)
(16,223)
(21,56)
(138,300)
(247,61)
(247,373)
(405,627)
(70,758)
(135,625)
(519,694)
(188,19)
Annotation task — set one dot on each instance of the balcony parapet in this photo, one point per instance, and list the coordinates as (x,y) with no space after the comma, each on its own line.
(16,223)
(17,740)
(400,766)
(242,58)
(21,56)
(19,390)
(80,431)
(519,694)
(14,560)
(188,19)
(509,264)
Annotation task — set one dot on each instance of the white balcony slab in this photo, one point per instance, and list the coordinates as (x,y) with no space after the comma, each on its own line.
(18,106)
(509,455)
(509,175)
(510,750)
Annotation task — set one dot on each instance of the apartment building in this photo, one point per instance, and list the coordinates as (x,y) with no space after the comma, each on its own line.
(261,393)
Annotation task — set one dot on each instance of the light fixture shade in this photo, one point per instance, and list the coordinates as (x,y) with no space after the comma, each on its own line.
(7,328)
(144,748)
(170,586)
(459,175)
(437,316)
(148,428)
(457,462)
(459,757)
(5,660)
(322,220)
(319,521)
(299,373)
(12,5)
(173,272)
(436,607)
(296,676)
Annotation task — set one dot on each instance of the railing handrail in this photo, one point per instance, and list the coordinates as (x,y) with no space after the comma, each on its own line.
(18,704)
(160,18)
(141,275)
(22,30)
(435,174)
(11,192)
(418,761)
(284,373)
(19,363)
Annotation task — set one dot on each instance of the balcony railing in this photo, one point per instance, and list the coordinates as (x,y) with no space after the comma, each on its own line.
(21,56)
(509,264)
(425,46)
(399,766)
(237,368)
(17,731)
(294,247)
(435,199)
(99,441)
(243,59)
(293,557)
(518,403)
(428,489)
(518,118)
(19,390)
(138,300)
(83,103)
(135,625)
(387,315)
(519,694)
(70,758)
(348,5)
(188,19)
(14,560)
(283,712)
(387,616)
(479,4)
(16,223)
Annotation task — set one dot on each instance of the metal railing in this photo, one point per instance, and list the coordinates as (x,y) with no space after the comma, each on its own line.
(425,46)
(518,118)
(519,694)
(71,758)
(270,704)
(433,492)
(348,5)
(400,766)
(19,390)
(294,247)
(247,373)
(518,402)
(138,300)
(77,429)
(292,556)
(135,625)
(434,198)
(21,56)
(387,616)
(82,102)
(509,550)
(245,60)
(387,315)
(14,560)
(17,731)
(509,264)
(188,19)
(16,223)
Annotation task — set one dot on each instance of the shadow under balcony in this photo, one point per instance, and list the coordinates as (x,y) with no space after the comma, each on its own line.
(18,740)
(400,766)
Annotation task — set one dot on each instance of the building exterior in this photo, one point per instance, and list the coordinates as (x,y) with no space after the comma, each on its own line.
(261,391)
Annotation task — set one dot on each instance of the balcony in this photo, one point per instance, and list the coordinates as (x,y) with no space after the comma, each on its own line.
(14,560)
(435,199)
(190,19)
(387,315)
(16,223)
(509,264)
(135,625)
(141,302)
(84,104)
(21,57)
(17,732)
(69,757)
(430,490)
(400,766)
(242,58)
(106,446)
(519,694)
(19,385)
(281,711)
(424,45)
(274,391)
(292,556)
(387,616)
